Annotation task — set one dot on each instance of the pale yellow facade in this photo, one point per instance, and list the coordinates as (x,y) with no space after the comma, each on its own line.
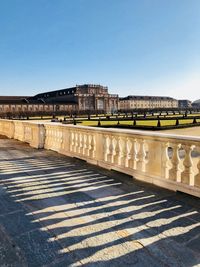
(147,103)
(4,108)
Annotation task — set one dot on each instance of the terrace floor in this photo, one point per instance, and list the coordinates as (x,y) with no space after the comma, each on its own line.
(191,131)
(59,211)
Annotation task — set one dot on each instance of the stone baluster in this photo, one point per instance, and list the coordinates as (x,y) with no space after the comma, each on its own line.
(112,149)
(128,152)
(175,171)
(66,141)
(71,141)
(39,140)
(154,157)
(87,145)
(99,147)
(133,163)
(47,137)
(116,153)
(92,148)
(55,139)
(106,147)
(76,142)
(187,176)
(56,136)
(165,160)
(80,149)
(121,160)
(84,144)
(141,164)
(197,176)
(118,150)
(51,136)
(61,138)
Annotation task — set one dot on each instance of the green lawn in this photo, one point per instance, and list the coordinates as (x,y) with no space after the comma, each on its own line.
(138,123)
(114,123)
(94,122)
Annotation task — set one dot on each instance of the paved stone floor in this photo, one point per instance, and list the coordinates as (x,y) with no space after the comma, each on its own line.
(191,131)
(57,211)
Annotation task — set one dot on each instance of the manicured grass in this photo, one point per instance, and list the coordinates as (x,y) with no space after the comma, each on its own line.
(83,120)
(138,123)
(185,121)
(95,123)
(168,122)
(39,118)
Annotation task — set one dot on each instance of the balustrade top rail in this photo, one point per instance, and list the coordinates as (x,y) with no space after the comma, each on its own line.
(126,131)
(113,130)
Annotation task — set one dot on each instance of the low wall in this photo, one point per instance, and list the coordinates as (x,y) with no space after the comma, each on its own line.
(169,161)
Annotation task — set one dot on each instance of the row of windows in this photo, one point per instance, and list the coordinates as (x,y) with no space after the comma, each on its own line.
(7,108)
(150,105)
(164,104)
(149,102)
(67,92)
(146,98)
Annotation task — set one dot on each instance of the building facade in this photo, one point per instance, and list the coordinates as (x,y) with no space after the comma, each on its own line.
(147,102)
(15,106)
(196,104)
(184,103)
(81,98)
(87,97)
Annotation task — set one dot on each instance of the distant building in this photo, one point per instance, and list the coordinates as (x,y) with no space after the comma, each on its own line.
(21,105)
(132,102)
(196,104)
(87,97)
(82,98)
(184,103)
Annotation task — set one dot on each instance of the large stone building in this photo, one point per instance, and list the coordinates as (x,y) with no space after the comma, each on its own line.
(132,102)
(196,104)
(87,97)
(81,98)
(184,103)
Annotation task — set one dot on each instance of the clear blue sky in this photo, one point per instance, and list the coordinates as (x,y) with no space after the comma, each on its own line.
(149,47)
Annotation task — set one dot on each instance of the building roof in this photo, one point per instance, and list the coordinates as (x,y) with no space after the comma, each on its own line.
(140,97)
(54,93)
(61,96)
(59,92)
(196,101)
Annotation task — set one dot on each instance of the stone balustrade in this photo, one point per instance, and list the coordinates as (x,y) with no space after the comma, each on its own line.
(30,132)
(169,161)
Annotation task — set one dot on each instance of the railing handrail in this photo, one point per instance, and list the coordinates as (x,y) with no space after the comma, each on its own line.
(127,131)
(114,130)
